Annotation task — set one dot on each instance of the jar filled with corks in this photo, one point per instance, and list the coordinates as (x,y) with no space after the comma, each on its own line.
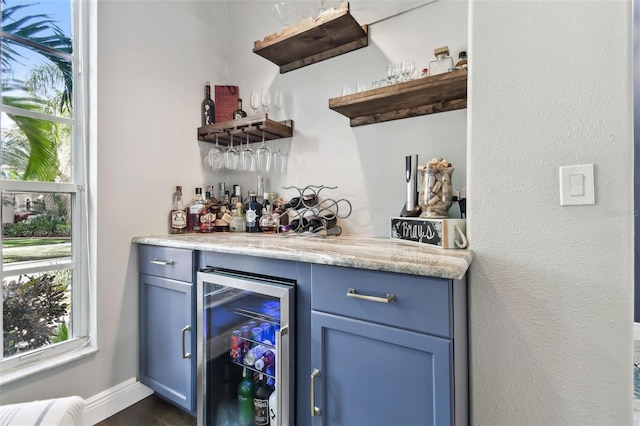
(436,190)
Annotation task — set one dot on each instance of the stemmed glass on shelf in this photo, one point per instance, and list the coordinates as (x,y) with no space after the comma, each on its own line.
(393,73)
(265,99)
(278,102)
(284,11)
(256,102)
(407,68)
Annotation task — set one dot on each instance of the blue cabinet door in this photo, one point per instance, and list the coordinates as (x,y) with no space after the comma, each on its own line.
(372,374)
(165,313)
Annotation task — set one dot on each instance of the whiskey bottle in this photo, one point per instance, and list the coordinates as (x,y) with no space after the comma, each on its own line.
(208,107)
(208,214)
(261,402)
(178,214)
(239,113)
(193,212)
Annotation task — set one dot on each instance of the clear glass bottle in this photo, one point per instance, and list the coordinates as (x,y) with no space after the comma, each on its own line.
(268,221)
(178,214)
(193,211)
(239,113)
(208,107)
(238,219)
(443,62)
(260,189)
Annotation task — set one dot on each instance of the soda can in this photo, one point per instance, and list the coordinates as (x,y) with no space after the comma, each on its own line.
(245,331)
(267,332)
(235,348)
(256,334)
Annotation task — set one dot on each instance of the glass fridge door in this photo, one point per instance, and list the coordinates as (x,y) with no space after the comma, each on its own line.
(245,349)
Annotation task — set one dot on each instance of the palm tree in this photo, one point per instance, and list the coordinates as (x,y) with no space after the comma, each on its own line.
(36,157)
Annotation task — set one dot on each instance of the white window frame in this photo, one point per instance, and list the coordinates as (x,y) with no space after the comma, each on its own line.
(82,342)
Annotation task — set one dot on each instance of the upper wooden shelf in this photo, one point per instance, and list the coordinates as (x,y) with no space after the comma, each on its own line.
(253,126)
(426,95)
(332,33)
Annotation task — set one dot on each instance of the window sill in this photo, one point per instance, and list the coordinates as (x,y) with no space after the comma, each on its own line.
(44,365)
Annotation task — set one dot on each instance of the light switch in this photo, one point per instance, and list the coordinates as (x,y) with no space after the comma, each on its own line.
(577,185)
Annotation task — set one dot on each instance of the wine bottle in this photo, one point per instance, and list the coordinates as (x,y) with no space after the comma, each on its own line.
(245,398)
(178,215)
(261,402)
(239,113)
(208,110)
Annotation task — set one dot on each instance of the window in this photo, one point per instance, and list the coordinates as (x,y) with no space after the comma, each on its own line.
(42,183)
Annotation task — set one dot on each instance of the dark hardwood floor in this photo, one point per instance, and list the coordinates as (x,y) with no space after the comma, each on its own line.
(151,411)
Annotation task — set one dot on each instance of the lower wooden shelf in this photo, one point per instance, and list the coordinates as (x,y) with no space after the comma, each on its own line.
(253,126)
(426,95)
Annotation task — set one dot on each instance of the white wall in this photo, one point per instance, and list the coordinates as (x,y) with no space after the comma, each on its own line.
(550,286)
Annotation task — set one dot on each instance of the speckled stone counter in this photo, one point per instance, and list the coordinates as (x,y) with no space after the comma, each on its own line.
(377,254)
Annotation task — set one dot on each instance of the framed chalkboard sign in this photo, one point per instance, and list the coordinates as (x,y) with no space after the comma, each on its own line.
(442,233)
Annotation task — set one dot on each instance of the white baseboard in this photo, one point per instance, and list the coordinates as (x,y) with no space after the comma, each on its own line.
(115,399)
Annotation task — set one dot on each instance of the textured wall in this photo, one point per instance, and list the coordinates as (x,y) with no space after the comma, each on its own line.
(551,286)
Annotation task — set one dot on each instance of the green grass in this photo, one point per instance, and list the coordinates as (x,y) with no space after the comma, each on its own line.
(26,242)
(31,249)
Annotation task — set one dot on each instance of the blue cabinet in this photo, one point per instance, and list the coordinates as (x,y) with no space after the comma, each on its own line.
(387,349)
(167,324)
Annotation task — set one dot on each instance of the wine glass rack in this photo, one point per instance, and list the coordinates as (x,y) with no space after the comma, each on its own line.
(311,215)
(254,126)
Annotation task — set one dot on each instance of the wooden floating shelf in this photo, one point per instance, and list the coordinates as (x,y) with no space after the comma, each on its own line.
(333,33)
(253,126)
(426,95)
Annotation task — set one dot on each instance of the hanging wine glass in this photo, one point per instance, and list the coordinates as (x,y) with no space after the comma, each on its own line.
(255,101)
(279,159)
(263,157)
(216,157)
(246,160)
(231,156)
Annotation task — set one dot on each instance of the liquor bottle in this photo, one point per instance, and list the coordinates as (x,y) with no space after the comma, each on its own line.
(194,209)
(238,222)
(443,62)
(254,211)
(223,219)
(208,107)
(260,190)
(245,398)
(261,402)
(273,406)
(208,214)
(239,113)
(268,222)
(462,60)
(178,215)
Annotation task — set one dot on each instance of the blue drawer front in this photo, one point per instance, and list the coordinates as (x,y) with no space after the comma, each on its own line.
(421,304)
(166,262)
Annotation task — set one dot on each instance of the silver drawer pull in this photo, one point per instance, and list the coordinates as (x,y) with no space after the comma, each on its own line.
(157,261)
(389,299)
(315,411)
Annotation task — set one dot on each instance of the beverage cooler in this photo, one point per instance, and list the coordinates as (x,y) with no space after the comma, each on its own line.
(245,349)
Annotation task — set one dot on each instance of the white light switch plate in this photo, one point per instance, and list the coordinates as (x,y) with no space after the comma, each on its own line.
(577,185)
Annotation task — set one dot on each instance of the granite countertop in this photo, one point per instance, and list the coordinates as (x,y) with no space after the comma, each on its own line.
(378,254)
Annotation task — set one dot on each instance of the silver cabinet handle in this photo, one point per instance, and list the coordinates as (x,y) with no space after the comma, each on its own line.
(156,261)
(184,332)
(389,299)
(282,387)
(315,411)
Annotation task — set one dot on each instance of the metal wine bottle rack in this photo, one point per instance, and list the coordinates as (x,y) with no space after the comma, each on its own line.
(327,211)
